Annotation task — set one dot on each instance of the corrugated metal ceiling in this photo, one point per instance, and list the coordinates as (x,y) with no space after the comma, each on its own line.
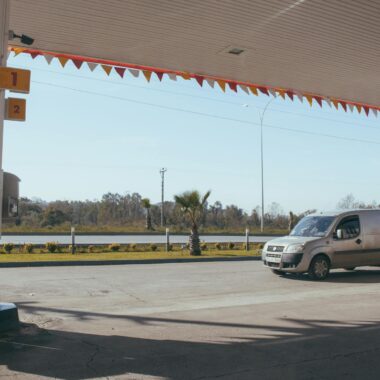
(324,47)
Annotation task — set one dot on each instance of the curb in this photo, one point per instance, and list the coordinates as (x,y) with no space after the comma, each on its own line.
(124,262)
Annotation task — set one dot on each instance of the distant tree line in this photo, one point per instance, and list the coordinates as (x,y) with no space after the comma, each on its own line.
(130,210)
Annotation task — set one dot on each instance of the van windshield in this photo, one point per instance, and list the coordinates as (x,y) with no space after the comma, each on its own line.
(312,226)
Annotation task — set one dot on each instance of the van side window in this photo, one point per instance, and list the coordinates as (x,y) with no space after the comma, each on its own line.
(349,227)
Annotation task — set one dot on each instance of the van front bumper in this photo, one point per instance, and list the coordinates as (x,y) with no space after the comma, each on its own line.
(282,261)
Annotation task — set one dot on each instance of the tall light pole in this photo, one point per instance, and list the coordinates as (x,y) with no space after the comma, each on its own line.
(162,172)
(262,161)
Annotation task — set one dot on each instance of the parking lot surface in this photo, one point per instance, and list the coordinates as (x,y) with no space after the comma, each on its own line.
(227,320)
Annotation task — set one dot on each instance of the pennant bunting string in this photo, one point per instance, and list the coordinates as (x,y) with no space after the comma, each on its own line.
(135,70)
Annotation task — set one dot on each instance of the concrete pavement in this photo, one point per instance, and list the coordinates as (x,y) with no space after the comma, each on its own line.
(233,320)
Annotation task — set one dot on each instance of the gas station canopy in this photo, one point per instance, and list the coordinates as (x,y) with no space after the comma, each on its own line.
(327,49)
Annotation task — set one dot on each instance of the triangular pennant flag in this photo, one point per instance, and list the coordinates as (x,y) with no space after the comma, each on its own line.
(272,92)
(48,58)
(233,86)
(244,88)
(253,89)
(107,69)
(134,72)
(63,61)
(34,55)
(374,110)
(199,79)
(264,90)
(18,51)
(92,66)
(222,85)
(351,107)
(186,76)
(290,94)
(120,71)
(210,82)
(366,110)
(281,92)
(309,99)
(159,74)
(344,105)
(328,101)
(172,76)
(78,63)
(147,75)
(319,100)
(358,107)
(336,103)
(300,97)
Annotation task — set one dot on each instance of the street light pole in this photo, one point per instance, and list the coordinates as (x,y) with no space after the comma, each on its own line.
(162,172)
(262,161)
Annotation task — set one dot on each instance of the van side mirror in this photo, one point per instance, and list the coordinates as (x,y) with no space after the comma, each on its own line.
(339,234)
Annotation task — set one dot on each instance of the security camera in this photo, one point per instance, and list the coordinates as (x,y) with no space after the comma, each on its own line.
(26,40)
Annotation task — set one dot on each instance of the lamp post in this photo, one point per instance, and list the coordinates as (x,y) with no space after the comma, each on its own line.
(162,172)
(262,114)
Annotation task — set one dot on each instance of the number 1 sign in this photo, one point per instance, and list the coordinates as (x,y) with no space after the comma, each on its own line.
(15,80)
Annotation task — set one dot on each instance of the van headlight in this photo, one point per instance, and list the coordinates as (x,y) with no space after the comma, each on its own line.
(295,248)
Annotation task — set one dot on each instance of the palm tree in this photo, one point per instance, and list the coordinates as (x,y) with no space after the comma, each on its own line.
(192,205)
(145,202)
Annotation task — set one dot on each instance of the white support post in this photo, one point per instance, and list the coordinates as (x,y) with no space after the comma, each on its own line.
(4,35)
(8,311)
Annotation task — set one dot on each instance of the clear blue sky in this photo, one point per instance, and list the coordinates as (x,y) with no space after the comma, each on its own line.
(79,145)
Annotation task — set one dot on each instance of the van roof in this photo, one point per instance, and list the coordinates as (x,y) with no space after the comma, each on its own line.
(343,212)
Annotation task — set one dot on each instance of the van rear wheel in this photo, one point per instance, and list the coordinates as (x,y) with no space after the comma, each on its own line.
(319,268)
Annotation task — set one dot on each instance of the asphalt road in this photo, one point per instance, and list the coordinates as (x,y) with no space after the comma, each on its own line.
(231,320)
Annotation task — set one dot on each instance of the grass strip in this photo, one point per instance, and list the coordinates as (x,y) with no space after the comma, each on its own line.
(35,257)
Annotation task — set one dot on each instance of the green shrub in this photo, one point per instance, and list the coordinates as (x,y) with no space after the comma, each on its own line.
(153,247)
(133,246)
(91,249)
(126,248)
(218,246)
(8,247)
(114,247)
(204,247)
(28,248)
(231,245)
(51,246)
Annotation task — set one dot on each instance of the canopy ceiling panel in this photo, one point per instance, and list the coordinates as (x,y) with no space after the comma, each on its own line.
(331,48)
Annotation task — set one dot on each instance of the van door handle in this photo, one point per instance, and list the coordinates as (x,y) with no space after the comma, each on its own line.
(358,241)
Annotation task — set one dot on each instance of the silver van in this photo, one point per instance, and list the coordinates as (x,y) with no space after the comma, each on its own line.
(324,241)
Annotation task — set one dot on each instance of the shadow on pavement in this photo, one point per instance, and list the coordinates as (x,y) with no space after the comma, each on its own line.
(297,349)
(357,276)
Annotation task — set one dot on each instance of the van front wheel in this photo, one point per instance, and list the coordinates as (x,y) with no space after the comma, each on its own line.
(319,268)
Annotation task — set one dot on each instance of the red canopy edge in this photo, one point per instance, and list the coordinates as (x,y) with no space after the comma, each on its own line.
(199,78)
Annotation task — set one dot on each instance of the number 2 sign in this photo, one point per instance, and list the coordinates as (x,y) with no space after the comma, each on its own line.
(15,80)
(15,109)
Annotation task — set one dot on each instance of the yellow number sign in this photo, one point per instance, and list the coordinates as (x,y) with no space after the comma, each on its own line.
(15,80)
(15,109)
